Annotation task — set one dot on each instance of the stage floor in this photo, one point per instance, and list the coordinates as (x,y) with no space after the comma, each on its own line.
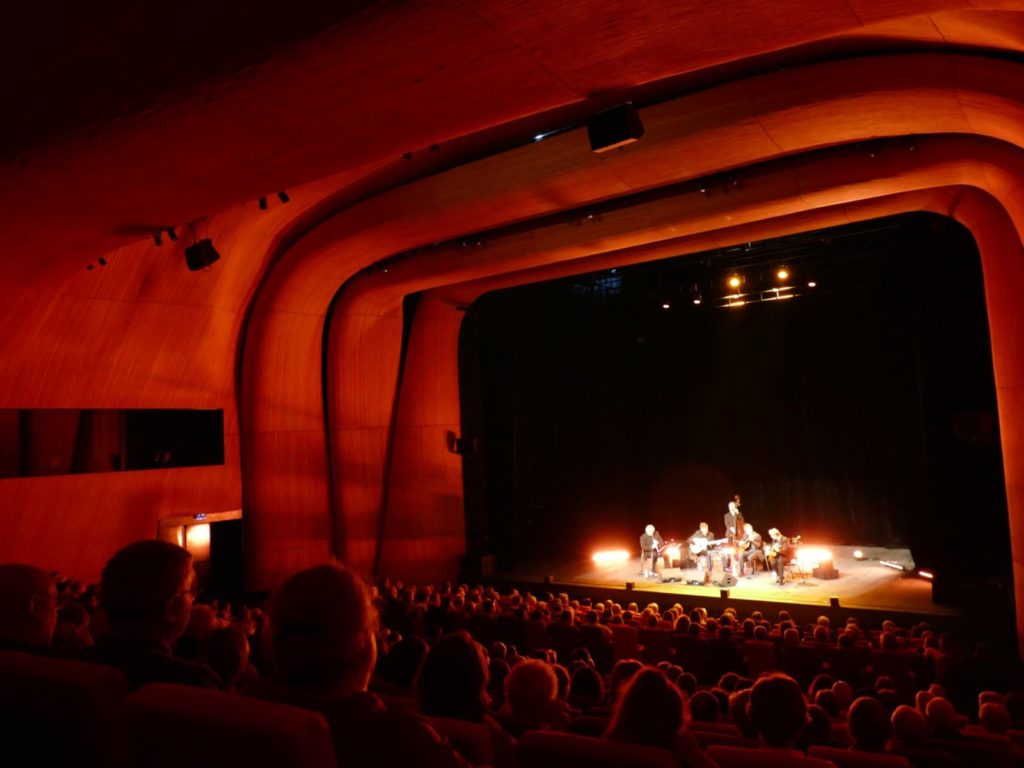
(865,584)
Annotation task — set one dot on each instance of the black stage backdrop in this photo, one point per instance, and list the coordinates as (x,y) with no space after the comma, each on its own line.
(861,412)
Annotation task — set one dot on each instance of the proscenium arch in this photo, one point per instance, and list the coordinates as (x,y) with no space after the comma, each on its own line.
(284,439)
(942,174)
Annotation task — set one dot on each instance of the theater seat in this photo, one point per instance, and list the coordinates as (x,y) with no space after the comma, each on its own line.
(547,749)
(737,757)
(170,726)
(56,712)
(851,758)
(471,740)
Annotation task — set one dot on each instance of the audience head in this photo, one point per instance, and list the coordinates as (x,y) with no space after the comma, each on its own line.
(777,709)
(994,717)
(586,689)
(622,672)
(452,680)
(403,661)
(738,703)
(72,634)
(649,711)
(323,630)
(687,683)
(146,591)
(942,717)
(531,689)
(908,725)
(226,652)
(818,729)
(921,699)
(704,707)
(870,727)
(827,700)
(28,605)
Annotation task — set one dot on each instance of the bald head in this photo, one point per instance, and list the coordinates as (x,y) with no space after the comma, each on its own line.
(28,605)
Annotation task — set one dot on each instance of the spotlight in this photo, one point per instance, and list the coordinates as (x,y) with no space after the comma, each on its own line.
(858,555)
(812,284)
(735,281)
(893,564)
(782,274)
(666,305)
(263,203)
(925,574)
(283,197)
(696,299)
(606,556)
(172,235)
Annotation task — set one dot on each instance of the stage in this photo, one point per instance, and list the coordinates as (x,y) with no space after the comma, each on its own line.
(862,584)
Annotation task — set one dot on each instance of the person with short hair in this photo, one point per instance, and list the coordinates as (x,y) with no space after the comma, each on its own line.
(28,608)
(146,594)
(778,711)
(650,551)
(870,725)
(324,638)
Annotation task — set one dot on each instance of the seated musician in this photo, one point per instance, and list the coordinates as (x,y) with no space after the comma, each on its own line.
(751,548)
(780,553)
(650,549)
(698,543)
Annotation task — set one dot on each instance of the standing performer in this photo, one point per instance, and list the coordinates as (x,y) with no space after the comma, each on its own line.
(751,548)
(650,548)
(733,526)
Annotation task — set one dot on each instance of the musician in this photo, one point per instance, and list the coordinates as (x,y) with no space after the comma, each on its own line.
(650,549)
(751,548)
(702,535)
(733,527)
(780,553)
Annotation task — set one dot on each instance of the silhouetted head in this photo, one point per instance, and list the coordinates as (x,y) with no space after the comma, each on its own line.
(28,605)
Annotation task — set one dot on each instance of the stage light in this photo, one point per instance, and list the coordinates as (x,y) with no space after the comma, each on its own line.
(673,553)
(858,555)
(609,556)
(893,564)
(925,574)
(812,557)
(782,274)
(734,282)
(696,300)
(812,284)
(666,305)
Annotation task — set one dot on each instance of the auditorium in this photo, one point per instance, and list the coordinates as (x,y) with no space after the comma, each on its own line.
(510,383)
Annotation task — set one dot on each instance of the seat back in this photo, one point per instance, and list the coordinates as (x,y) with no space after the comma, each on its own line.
(589,725)
(657,644)
(737,757)
(760,657)
(173,725)
(852,758)
(57,712)
(471,740)
(625,642)
(711,738)
(547,749)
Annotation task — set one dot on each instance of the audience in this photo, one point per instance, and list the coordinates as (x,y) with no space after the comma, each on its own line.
(317,647)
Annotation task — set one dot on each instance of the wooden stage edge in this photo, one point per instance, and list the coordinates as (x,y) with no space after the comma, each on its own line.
(864,586)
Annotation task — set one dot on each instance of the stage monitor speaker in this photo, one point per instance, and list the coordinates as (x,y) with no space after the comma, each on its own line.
(826,574)
(614,128)
(727,580)
(200,255)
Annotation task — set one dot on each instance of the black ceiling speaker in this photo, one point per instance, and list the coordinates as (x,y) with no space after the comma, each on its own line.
(614,128)
(201,254)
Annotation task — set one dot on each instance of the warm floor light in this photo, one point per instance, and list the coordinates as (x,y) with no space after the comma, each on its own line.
(606,556)
(858,555)
(673,553)
(696,301)
(811,557)
(782,274)
(925,574)
(812,284)
(666,305)
(735,282)
(893,564)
